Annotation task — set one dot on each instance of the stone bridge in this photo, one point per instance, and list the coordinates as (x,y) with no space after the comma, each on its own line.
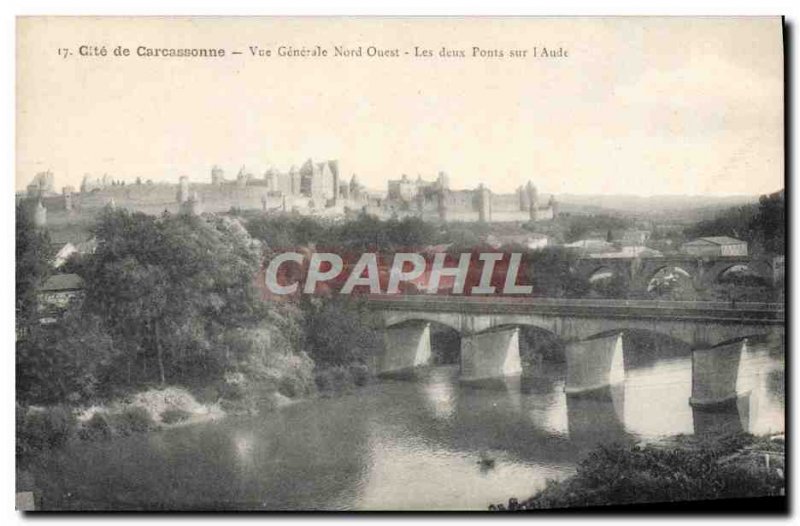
(703,271)
(592,330)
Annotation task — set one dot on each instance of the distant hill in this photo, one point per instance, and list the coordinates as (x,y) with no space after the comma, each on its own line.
(688,207)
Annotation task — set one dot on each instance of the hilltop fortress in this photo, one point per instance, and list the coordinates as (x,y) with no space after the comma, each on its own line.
(316,188)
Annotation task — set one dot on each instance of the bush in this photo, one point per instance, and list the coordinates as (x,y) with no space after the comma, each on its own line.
(232,391)
(341,378)
(49,428)
(132,419)
(206,394)
(615,474)
(292,386)
(238,407)
(173,416)
(360,374)
(96,428)
(324,380)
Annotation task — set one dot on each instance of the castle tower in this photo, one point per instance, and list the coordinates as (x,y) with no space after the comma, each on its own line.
(444,181)
(39,215)
(484,204)
(441,204)
(217,175)
(533,200)
(295,178)
(334,167)
(553,205)
(183,189)
(270,179)
(241,178)
(355,187)
(67,192)
(524,202)
(194,206)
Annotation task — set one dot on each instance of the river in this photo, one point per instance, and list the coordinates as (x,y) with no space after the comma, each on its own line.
(412,444)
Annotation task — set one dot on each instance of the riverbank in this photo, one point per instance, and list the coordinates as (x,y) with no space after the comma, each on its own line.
(682,468)
(40,428)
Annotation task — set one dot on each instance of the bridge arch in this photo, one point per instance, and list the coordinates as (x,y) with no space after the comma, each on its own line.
(759,269)
(645,346)
(537,343)
(601,272)
(452,320)
(667,270)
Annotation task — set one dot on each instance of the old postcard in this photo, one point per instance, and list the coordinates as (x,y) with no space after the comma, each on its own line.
(399,263)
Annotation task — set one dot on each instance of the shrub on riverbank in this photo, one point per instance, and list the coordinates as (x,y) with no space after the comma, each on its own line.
(132,419)
(39,429)
(173,416)
(338,378)
(98,427)
(732,466)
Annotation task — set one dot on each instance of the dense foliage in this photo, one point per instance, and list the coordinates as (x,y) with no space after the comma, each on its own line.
(762,225)
(168,299)
(32,264)
(340,331)
(714,468)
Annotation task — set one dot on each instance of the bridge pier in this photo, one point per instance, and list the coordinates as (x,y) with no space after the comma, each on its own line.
(490,355)
(597,418)
(594,364)
(714,374)
(406,347)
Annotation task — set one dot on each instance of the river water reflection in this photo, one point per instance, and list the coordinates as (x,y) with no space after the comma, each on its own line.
(415,444)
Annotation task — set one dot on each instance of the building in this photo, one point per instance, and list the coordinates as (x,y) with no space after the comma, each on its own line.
(42,185)
(591,246)
(715,246)
(531,240)
(55,295)
(318,188)
(628,252)
(634,237)
(405,188)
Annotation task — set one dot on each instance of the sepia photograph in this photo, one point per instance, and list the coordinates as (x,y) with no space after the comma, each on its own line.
(398,264)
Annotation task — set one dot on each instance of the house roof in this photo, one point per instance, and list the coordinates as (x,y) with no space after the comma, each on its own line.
(715,240)
(62,283)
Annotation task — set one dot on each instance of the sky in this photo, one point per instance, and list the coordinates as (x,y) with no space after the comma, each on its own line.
(643,106)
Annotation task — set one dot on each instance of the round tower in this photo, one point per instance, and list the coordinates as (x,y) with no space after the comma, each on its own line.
(183,189)
(67,193)
(533,199)
(355,187)
(217,175)
(553,204)
(444,181)
(524,202)
(441,205)
(39,215)
(194,206)
(484,204)
(270,179)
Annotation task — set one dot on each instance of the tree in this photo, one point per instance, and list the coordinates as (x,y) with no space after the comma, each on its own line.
(168,287)
(769,223)
(68,360)
(33,256)
(340,331)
